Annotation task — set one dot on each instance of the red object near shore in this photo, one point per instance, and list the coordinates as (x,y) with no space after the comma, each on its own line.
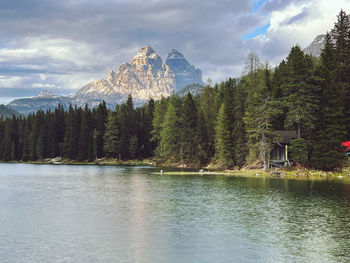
(346,145)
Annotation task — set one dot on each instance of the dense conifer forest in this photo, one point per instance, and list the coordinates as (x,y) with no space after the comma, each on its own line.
(231,124)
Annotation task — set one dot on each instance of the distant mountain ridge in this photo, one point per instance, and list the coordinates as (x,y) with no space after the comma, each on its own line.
(144,77)
(6,112)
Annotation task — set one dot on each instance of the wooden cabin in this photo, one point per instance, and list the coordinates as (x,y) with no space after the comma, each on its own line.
(279,153)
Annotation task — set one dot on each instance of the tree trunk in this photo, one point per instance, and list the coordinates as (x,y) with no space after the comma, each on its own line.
(266,165)
(299,132)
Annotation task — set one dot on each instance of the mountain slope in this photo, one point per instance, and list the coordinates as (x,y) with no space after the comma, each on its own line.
(315,48)
(30,105)
(185,73)
(6,112)
(144,76)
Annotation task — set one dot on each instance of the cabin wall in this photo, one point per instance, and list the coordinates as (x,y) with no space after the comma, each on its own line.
(278,153)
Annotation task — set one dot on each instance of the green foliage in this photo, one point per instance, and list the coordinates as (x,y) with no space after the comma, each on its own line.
(225,141)
(327,153)
(301,103)
(203,141)
(261,111)
(222,139)
(170,136)
(188,150)
(112,135)
(209,107)
(340,34)
(298,151)
(223,123)
(133,147)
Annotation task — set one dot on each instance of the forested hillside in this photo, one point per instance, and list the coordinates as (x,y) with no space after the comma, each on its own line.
(6,112)
(230,124)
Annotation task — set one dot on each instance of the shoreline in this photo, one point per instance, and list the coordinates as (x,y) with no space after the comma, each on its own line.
(281,174)
(287,173)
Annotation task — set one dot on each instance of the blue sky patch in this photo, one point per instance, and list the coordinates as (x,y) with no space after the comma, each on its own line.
(257,32)
(257,4)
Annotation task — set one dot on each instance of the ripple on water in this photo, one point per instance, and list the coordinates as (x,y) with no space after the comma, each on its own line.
(127,214)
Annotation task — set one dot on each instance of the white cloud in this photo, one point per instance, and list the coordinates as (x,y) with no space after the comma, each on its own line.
(298,23)
(9,82)
(74,43)
(43,85)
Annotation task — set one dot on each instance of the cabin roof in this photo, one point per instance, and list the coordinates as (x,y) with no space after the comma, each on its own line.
(285,136)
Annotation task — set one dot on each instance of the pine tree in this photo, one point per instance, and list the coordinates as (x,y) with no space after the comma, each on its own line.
(203,141)
(170,136)
(209,106)
(188,149)
(100,122)
(160,109)
(222,139)
(298,151)
(59,127)
(239,133)
(330,128)
(300,102)
(84,137)
(341,35)
(37,131)
(224,131)
(71,138)
(258,120)
(279,79)
(127,123)
(6,146)
(133,147)
(112,134)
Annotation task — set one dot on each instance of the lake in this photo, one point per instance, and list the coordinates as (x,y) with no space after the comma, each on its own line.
(130,214)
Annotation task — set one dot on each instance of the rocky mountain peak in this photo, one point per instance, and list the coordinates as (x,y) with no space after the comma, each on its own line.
(174,54)
(45,94)
(146,56)
(315,48)
(144,77)
(146,51)
(111,76)
(185,73)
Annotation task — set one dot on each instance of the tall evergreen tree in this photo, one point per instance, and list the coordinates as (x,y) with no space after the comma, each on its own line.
(258,120)
(85,137)
(188,149)
(341,35)
(112,135)
(209,106)
(170,136)
(100,126)
(239,133)
(128,126)
(223,144)
(203,140)
(330,128)
(300,102)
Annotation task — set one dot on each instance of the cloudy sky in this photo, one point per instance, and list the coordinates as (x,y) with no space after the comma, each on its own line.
(62,45)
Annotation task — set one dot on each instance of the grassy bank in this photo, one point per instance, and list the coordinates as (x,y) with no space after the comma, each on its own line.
(295,174)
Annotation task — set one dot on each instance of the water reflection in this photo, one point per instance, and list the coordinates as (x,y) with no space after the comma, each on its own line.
(129,214)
